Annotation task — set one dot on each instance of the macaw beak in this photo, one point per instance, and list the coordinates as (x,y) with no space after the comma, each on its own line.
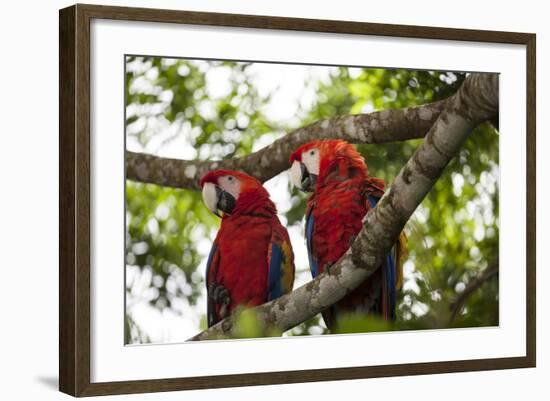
(216,199)
(302,178)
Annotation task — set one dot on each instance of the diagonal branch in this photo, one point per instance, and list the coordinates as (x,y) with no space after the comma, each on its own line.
(377,127)
(459,302)
(475,102)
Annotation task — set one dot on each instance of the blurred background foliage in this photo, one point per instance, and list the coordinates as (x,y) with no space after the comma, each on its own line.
(194,109)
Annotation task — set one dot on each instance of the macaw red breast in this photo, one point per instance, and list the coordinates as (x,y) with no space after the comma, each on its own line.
(338,208)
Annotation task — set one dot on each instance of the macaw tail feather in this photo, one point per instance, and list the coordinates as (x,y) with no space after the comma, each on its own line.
(401,254)
(388,300)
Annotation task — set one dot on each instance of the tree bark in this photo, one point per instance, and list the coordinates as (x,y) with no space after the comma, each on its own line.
(475,102)
(377,127)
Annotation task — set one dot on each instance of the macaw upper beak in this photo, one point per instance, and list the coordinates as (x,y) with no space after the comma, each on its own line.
(302,178)
(216,199)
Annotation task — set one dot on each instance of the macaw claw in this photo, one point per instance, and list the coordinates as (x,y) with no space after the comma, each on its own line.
(220,295)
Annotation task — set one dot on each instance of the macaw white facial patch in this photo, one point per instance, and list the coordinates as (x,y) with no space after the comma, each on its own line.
(311,160)
(231,185)
(210,197)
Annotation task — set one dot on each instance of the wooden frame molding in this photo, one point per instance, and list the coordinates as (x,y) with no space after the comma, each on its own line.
(74,199)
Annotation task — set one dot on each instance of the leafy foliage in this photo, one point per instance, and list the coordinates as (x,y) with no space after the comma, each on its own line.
(218,109)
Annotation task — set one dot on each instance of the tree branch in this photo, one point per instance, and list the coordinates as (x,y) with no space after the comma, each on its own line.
(377,127)
(459,302)
(474,102)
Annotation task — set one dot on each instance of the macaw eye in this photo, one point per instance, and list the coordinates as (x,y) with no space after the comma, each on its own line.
(312,152)
(230,178)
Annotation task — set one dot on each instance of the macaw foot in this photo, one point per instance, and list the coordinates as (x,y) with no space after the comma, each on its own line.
(220,295)
(224,311)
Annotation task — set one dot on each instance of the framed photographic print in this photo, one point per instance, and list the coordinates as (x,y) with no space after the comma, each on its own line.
(250,200)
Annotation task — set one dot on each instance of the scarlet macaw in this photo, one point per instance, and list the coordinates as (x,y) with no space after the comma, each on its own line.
(251,260)
(343,193)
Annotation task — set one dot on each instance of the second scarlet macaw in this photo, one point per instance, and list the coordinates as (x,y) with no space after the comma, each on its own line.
(251,260)
(343,193)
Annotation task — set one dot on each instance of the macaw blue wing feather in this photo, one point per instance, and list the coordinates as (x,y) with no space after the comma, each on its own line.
(389,266)
(281,268)
(373,200)
(329,313)
(309,243)
(274,288)
(211,270)
(389,270)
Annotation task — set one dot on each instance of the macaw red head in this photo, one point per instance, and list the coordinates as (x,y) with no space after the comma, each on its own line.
(311,161)
(228,190)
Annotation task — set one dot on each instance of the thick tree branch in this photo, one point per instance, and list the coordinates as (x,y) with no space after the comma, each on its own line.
(475,101)
(459,302)
(377,127)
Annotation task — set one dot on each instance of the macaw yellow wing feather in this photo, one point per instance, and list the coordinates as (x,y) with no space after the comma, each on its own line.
(401,254)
